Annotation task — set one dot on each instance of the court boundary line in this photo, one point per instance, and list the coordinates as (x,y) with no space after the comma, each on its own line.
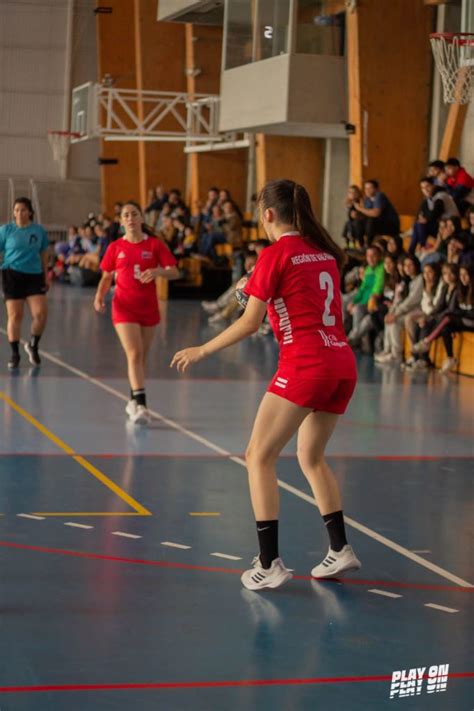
(166,564)
(79,459)
(283,485)
(214,684)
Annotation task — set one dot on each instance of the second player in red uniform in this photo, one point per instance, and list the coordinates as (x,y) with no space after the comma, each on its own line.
(297,280)
(136,259)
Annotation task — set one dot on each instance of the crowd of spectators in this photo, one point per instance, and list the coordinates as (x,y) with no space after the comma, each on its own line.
(419,284)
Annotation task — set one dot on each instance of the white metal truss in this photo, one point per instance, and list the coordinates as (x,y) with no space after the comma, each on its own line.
(134,115)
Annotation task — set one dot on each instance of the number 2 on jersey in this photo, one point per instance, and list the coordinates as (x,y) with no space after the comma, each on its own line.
(326,283)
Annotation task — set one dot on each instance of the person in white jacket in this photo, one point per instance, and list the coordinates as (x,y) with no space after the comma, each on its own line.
(395,319)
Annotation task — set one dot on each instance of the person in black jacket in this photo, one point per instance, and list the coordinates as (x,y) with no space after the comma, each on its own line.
(437,205)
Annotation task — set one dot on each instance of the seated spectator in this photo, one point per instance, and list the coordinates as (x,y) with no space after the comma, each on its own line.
(446,229)
(232,307)
(395,318)
(176,203)
(436,171)
(378,305)
(381,218)
(225,196)
(156,199)
(460,317)
(115,231)
(395,247)
(168,231)
(99,243)
(431,302)
(460,184)
(468,234)
(213,235)
(437,205)
(165,212)
(232,224)
(356,304)
(355,225)
(184,240)
(459,252)
(424,326)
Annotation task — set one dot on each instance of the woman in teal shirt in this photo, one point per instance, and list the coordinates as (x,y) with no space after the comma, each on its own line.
(24,245)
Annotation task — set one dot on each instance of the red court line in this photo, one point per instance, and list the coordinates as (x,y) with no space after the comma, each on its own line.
(200,455)
(211,684)
(404,428)
(216,569)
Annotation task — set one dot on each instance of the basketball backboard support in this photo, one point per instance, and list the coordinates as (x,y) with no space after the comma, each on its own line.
(84,112)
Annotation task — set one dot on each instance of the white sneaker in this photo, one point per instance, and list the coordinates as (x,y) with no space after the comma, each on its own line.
(421,364)
(449,364)
(384,358)
(210,307)
(131,408)
(410,363)
(421,347)
(217,319)
(257,578)
(336,563)
(140,416)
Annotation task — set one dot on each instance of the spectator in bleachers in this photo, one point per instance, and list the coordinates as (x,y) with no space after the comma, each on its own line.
(460,184)
(232,224)
(437,205)
(116,226)
(354,229)
(165,212)
(436,170)
(394,320)
(395,247)
(469,232)
(214,234)
(168,231)
(232,307)
(458,318)
(156,199)
(444,304)
(98,245)
(177,205)
(356,303)
(381,218)
(431,301)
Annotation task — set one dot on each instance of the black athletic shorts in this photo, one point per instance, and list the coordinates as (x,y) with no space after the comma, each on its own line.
(19,285)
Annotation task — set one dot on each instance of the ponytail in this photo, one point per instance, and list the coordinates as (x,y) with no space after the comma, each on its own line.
(292,205)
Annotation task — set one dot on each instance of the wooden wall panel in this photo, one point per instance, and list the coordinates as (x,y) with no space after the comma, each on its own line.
(390,69)
(294,158)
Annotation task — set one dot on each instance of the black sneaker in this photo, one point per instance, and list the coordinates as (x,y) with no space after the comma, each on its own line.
(33,355)
(14,362)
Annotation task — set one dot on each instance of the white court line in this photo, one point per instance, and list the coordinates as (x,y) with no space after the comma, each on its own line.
(384,593)
(283,485)
(35,518)
(225,555)
(170,544)
(77,525)
(425,552)
(124,535)
(440,607)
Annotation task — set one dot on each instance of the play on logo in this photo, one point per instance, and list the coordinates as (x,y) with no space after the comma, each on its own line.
(411,682)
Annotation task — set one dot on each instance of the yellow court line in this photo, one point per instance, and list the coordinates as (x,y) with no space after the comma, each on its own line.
(139,509)
(204,513)
(87,513)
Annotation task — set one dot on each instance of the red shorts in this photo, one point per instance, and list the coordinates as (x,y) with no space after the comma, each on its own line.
(320,395)
(121,314)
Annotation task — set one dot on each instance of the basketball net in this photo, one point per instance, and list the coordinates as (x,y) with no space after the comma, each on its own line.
(454,58)
(60,142)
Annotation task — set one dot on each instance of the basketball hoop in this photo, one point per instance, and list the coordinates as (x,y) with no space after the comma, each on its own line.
(60,142)
(454,56)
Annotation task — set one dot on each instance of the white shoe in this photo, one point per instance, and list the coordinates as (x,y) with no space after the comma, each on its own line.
(384,358)
(410,363)
(210,307)
(336,563)
(421,364)
(131,408)
(141,416)
(217,319)
(449,364)
(421,347)
(258,578)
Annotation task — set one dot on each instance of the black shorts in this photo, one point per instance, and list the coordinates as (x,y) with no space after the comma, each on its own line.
(19,285)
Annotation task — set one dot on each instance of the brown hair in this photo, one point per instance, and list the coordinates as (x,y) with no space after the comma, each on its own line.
(293,207)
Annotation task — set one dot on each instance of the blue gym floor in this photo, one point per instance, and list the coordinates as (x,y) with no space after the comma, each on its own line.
(121,547)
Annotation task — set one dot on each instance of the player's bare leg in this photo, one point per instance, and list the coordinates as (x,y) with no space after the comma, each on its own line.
(38,306)
(131,338)
(313,436)
(276,422)
(15,308)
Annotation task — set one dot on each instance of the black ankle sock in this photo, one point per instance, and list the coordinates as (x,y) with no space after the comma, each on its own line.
(335,528)
(15,346)
(139,396)
(267,532)
(34,342)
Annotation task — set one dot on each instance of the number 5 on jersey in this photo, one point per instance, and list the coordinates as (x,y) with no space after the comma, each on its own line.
(326,283)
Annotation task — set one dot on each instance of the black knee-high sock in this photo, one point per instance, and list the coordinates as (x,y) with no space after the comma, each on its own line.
(267,532)
(139,396)
(335,528)
(15,346)
(34,341)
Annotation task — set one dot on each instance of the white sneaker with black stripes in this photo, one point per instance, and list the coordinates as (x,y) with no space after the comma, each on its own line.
(336,563)
(258,578)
